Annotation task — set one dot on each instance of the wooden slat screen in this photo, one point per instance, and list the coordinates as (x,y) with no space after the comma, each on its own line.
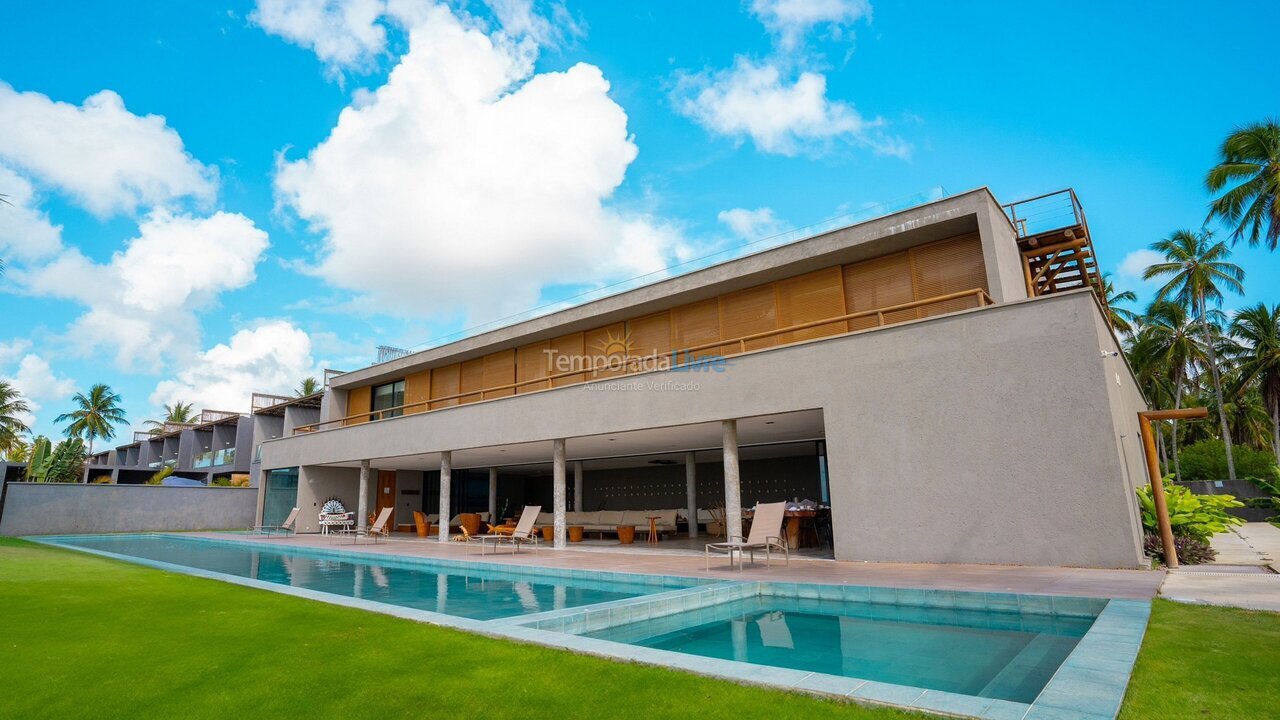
(594,342)
(651,334)
(531,364)
(568,346)
(417,389)
(876,283)
(945,267)
(696,324)
(471,380)
(814,296)
(444,382)
(359,400)
(499,370)
(746,312)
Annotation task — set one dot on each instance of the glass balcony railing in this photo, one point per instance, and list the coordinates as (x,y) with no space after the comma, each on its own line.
(225,456)
(203,460)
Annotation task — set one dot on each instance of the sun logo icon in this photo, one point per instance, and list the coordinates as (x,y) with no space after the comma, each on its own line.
(615,344)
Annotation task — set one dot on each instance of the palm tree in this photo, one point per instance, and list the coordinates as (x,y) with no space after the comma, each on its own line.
(1121,318)
(1164,350)
(95,416)
(11,426)
(1196,266)
(1256,350)
(178,413)
(309,386)
(1250,161)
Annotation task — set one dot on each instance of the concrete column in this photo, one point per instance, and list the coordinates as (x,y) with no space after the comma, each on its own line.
(362,502)
(732,481)
(493,496)
(691,491)
(558,491)
(577,486)
(446,481)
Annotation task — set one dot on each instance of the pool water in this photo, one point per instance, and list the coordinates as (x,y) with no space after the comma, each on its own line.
(998,655)
(478,592)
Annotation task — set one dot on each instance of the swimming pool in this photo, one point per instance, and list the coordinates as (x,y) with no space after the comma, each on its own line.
(968,654)
(475,591)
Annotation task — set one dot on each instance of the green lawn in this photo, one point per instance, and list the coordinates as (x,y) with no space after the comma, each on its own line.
(87,637)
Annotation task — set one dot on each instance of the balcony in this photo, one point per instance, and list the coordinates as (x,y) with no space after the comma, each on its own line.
(1053,236)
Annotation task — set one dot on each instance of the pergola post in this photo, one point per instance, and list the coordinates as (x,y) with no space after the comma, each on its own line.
(362,502)
(558,492)
(1153,472)
(446,483)
(732,481)
(691,491)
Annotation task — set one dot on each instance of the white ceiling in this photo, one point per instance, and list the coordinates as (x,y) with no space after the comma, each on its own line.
(771,435)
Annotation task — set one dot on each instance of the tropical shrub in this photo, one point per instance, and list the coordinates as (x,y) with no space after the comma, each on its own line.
(101,480)
(62,463)
(1190,515)
(1207,460)
(158,477)
(1191,551)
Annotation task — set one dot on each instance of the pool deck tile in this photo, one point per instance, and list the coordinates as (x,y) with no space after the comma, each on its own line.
(1004,710)
(900,695)
(952,703)
(829,684)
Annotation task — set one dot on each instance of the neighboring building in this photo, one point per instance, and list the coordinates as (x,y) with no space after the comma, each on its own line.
(216,447)
(943,376)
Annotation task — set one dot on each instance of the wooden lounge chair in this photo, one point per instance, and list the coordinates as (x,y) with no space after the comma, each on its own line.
(286,527)
(524,532)
(379,529)
(766,535)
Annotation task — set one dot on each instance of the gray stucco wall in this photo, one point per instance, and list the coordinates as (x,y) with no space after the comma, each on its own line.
(56,508)
(987,436)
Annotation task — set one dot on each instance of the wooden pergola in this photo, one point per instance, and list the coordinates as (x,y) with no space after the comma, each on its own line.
(1153,472)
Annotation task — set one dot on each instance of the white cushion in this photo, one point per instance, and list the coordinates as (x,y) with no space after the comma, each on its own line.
(609,517)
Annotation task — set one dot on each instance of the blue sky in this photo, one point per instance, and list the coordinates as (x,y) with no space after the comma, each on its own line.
(263,192)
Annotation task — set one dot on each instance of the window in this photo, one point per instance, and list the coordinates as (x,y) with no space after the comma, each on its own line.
(387,396)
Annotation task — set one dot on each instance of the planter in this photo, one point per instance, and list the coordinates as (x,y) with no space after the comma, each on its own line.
(626,534)
(549,533)
(575,533)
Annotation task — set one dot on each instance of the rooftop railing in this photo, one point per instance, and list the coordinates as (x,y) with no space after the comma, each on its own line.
(1046,213)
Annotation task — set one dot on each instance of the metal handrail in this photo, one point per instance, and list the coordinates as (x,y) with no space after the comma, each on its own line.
(983,299)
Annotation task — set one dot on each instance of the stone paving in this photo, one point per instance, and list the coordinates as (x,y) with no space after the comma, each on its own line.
(1128,584)
(1243,575)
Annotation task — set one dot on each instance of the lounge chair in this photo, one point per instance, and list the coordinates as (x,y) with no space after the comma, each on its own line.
(379,528)
(766,535)
(287,526)
(524,532)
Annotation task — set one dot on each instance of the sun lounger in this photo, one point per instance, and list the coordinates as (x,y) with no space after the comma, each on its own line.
(524,532)
(379,528)
(766,535)
(286,527)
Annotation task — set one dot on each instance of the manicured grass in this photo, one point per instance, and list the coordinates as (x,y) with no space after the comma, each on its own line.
(87,637)
(1206,662)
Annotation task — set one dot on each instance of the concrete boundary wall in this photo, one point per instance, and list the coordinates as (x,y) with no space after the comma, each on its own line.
(59,508)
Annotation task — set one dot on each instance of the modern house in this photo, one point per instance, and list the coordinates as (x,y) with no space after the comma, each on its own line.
(216,446)
(945,378)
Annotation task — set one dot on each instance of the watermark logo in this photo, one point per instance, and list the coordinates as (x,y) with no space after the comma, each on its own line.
(615,354)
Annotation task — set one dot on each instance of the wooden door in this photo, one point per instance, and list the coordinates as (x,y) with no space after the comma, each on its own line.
(386,496)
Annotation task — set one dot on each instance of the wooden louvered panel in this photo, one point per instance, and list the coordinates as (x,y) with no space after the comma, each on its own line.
(746,312)
(358,401)
(813,296)
(499,370)
(417,389)
(878,283)
(595,344)
(948,266)
(444,382)
(650,340)
(566,356)
(696,324)
(471,380)
(531,364)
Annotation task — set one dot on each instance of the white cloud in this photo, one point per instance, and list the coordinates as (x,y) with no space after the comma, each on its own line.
(39,385)
(104,157)
(779,115)
(751,224)
(1137,261)
(342,33)
(142,302)
(791,20)
(468,182)
(271,356)
(25,230)
(518,18)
